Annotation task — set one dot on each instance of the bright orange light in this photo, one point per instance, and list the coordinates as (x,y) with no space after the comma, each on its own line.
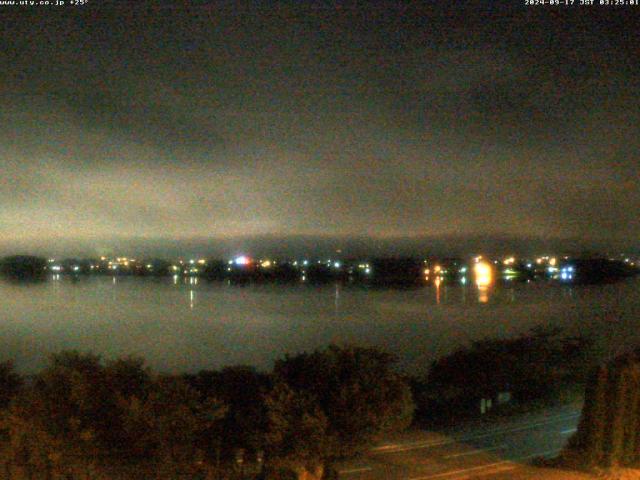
(483,273)
(437,269)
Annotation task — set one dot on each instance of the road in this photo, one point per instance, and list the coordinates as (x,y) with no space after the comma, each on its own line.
(480,449)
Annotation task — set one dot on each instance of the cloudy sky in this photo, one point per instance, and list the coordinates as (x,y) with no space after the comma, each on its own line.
(384,121)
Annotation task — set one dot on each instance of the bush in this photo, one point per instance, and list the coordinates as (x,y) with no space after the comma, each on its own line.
(531,367)
(357,390)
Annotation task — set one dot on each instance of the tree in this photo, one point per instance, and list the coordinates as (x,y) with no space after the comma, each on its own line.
(242,389)
(588,442)
(295,439)
(76,398)
(169,421)
(79,414)
(10,383)
(533,365)
(357,390)
(63,417)
(23,267)
(607,433)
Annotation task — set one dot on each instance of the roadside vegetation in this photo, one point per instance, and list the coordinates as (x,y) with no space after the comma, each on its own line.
(535,368)
(82,417)
(607,436)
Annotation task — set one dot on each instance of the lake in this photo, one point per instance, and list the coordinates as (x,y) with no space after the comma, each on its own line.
(190,324)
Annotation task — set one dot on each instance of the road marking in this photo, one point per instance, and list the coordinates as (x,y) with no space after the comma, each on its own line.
(503,465)
(355,470)
(539,454)
(568,431)
(476,451)
(397,448)
(464,470)
(493,471)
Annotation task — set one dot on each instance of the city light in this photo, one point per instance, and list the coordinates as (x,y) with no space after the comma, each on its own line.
(566,273)
(484,274)
(242,260)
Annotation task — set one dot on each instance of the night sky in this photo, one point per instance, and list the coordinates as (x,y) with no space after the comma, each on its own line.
(225,122)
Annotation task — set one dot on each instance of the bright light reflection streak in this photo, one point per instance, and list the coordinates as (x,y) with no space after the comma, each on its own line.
(484,278)
(484,274)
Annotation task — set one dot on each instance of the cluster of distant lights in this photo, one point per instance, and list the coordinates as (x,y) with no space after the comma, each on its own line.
(482,271)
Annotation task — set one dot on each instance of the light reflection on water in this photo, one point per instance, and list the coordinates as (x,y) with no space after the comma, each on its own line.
(188,324)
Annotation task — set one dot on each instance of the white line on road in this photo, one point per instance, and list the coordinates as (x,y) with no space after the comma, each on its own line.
(396,448)
(539,454)
(355,470)
(503,465)
(464,470)
(476,451)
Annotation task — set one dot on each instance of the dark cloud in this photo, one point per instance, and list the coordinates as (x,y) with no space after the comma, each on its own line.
(359,121)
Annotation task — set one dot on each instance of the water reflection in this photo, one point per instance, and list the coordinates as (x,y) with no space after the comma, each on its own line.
(437,283)
(123,315)
(484,274)
(483,294)
(484,279)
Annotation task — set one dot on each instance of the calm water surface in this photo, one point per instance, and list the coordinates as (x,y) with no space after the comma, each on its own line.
(189,325)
